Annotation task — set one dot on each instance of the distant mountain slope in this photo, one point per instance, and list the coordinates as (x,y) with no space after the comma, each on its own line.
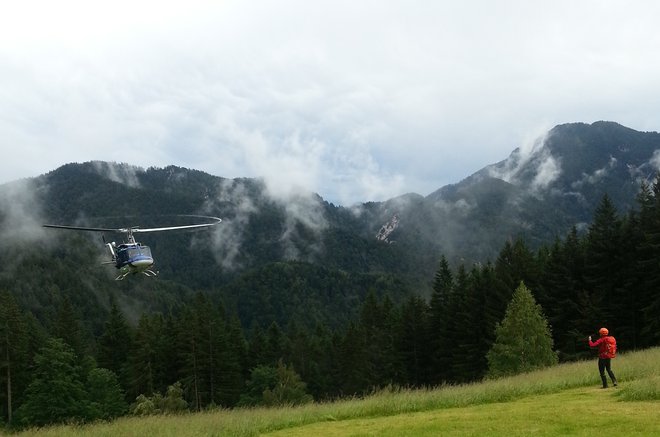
(535,194)
(540,193)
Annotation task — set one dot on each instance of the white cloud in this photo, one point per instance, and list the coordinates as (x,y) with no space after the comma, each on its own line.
(655,160)
(19,214)
(597,174)
(546,173)
(355,100)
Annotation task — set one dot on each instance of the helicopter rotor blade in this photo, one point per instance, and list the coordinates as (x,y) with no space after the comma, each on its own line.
(173,228)
(137,229)
(81,228)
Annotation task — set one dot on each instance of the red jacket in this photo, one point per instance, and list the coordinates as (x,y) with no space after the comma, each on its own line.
(602,347)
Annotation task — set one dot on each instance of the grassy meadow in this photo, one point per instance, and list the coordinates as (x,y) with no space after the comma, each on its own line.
(563,400)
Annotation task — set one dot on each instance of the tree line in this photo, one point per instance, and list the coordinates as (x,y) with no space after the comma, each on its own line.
(201,356)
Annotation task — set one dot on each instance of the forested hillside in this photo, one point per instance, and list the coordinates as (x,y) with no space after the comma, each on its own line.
(207,357)
(319,300)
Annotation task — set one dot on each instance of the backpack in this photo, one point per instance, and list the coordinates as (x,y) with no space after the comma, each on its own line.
(610,347)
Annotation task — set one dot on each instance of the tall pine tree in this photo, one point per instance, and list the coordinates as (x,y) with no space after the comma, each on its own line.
(523,339)
(115,344)
(439,316)
(13,350)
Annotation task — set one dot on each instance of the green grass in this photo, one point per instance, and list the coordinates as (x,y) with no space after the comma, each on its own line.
(563,400)
(584,411)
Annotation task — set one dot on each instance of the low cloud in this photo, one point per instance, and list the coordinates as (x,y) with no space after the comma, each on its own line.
(124,174)
(227,237)
(303,212)
(547,172)
(509,170)
(531,156)
(597,175)
(20,213)
(655,160)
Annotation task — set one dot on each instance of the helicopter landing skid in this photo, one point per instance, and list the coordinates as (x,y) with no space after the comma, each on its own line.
(149,273)
(122,276)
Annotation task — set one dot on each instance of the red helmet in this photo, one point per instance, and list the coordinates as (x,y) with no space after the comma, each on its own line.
(603,332)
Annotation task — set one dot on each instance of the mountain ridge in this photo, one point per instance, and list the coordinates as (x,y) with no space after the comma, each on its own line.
(563,175)
(537,195)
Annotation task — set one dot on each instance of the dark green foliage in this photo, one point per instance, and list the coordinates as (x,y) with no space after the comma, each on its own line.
(563,281)
(275,386)
(261,379)
(172,402)
(472,329)
(105,394)
(523,339)
(152,363)
(56,392)
(378,324)
(648,266)
(439,323)
(232,364)
(603,262)
(310,294)
(199,343)
(289,389)
(13,353)
(413,340)
(352,362)
(331,301)
(67,327)
(115,343)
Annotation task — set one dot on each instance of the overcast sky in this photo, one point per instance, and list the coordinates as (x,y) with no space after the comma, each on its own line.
(356,100)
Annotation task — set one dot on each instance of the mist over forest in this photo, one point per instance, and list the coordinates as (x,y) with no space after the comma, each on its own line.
(337,300)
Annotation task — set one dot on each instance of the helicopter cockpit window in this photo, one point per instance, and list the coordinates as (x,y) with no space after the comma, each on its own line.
(126,254)
(138,251)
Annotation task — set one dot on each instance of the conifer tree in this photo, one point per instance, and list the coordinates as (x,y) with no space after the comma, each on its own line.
(413,341)
(648,263)
(232,363)
(143,361)
(319,376)
(257,349)
(467,327)
(516,263)
(603,262)
(115,343)
(377,327)
(13,350)
(353,364)
(439,316)
(454,325)
(563,282)
(275,347)
(523,339)
(200,345)
(629,296)
(68,328)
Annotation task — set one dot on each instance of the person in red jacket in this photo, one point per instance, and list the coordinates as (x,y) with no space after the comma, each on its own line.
(605,355)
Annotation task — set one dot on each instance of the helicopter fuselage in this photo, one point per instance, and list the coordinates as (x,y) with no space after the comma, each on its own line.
(133,258)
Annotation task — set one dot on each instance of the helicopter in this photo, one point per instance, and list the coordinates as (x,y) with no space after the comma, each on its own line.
(132,257)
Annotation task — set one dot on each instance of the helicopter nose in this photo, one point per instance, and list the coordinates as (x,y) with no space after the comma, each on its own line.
(143,263)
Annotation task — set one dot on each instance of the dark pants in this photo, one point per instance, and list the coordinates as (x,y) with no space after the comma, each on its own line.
(604,364)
